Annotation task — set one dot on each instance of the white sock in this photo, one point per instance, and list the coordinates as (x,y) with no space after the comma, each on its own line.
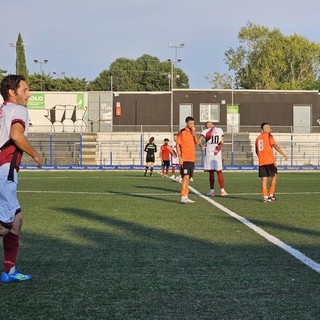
(12,270)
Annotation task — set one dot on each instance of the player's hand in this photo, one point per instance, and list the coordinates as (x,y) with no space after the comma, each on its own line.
(38,160)
(217,150)
(285,157)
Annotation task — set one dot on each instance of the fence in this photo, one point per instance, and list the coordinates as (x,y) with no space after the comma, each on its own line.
(126,147)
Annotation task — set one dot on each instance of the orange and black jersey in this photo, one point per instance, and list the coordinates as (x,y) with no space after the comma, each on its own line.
(165,152)
(264,148)
(186,140)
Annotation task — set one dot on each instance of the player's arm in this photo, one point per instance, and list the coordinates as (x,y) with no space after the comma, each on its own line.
(179,154)
(201,138)
(196,140)
(21,141)
(280,151)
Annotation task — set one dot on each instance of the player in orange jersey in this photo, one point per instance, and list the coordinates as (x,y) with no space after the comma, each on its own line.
(186,141)
(165,152)
(265,144)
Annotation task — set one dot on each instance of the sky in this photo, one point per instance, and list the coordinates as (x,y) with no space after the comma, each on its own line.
(82,38)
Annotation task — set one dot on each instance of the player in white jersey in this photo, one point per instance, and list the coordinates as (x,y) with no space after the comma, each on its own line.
(175,160)
(14,122)
(214,138)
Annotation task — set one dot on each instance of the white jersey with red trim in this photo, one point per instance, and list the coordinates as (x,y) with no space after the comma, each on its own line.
(213,136)
(174,160)
(10,114)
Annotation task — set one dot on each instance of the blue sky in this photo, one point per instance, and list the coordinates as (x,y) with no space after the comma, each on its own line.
(84,38)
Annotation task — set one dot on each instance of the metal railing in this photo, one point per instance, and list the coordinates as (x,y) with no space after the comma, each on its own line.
(127,148)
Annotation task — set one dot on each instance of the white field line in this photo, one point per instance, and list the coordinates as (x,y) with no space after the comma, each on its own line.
(294,252)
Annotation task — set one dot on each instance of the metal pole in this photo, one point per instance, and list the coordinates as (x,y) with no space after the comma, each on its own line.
(81,147)
(171,108)
(232,116)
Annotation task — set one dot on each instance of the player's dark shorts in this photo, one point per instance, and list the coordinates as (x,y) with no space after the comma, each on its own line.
(268,170)
(150,158)
(187,169)
(166,163)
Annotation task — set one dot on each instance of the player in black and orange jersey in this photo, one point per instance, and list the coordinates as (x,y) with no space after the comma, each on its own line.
(186,141)
(265,144)
(165,152)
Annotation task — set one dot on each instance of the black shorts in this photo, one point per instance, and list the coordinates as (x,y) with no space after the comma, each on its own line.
(166,163)
(268,170)
(187,169)
(150,158)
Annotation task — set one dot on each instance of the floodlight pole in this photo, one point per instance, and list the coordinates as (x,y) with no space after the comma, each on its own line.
(174,65)
(58,75)
(41,62)
(232,118)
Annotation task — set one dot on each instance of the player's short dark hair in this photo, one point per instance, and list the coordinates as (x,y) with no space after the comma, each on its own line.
(263,124)
(166,139)
(151,139)
(189,119)
(206,124)
(10,82)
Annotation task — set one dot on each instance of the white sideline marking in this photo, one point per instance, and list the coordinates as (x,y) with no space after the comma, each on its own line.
(294,252)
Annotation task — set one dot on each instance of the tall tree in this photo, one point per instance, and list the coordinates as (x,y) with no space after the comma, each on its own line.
(21,66)
(2,73)
(147,73)
(220,80)
(266,59)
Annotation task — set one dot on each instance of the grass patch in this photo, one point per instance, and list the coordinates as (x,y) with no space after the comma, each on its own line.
(117,245)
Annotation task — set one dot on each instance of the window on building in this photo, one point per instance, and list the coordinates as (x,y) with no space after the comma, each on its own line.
(209,112)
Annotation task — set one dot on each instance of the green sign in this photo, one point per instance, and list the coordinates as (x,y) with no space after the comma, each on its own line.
(80,100)
(36,101)
(233,109)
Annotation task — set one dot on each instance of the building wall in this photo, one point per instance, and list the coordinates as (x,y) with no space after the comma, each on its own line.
(154,108)
(275,107)
(141,108)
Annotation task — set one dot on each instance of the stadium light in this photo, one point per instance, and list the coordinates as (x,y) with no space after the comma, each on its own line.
(41,62)
(172,87)
(58,75)
(176,60)
(176,47)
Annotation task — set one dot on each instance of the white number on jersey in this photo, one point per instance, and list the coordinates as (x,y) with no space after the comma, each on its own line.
(260,145)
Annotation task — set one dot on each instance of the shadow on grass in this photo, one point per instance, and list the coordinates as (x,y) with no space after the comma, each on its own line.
(160,198)
(118,269)
(146,187)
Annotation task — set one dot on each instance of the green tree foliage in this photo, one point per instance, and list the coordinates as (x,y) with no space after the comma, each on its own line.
(50,84)
(2,74)
(21,65)
(267,59)
(146,73)
(220,80)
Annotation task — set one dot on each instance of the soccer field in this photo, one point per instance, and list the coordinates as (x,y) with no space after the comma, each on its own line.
(118,245)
